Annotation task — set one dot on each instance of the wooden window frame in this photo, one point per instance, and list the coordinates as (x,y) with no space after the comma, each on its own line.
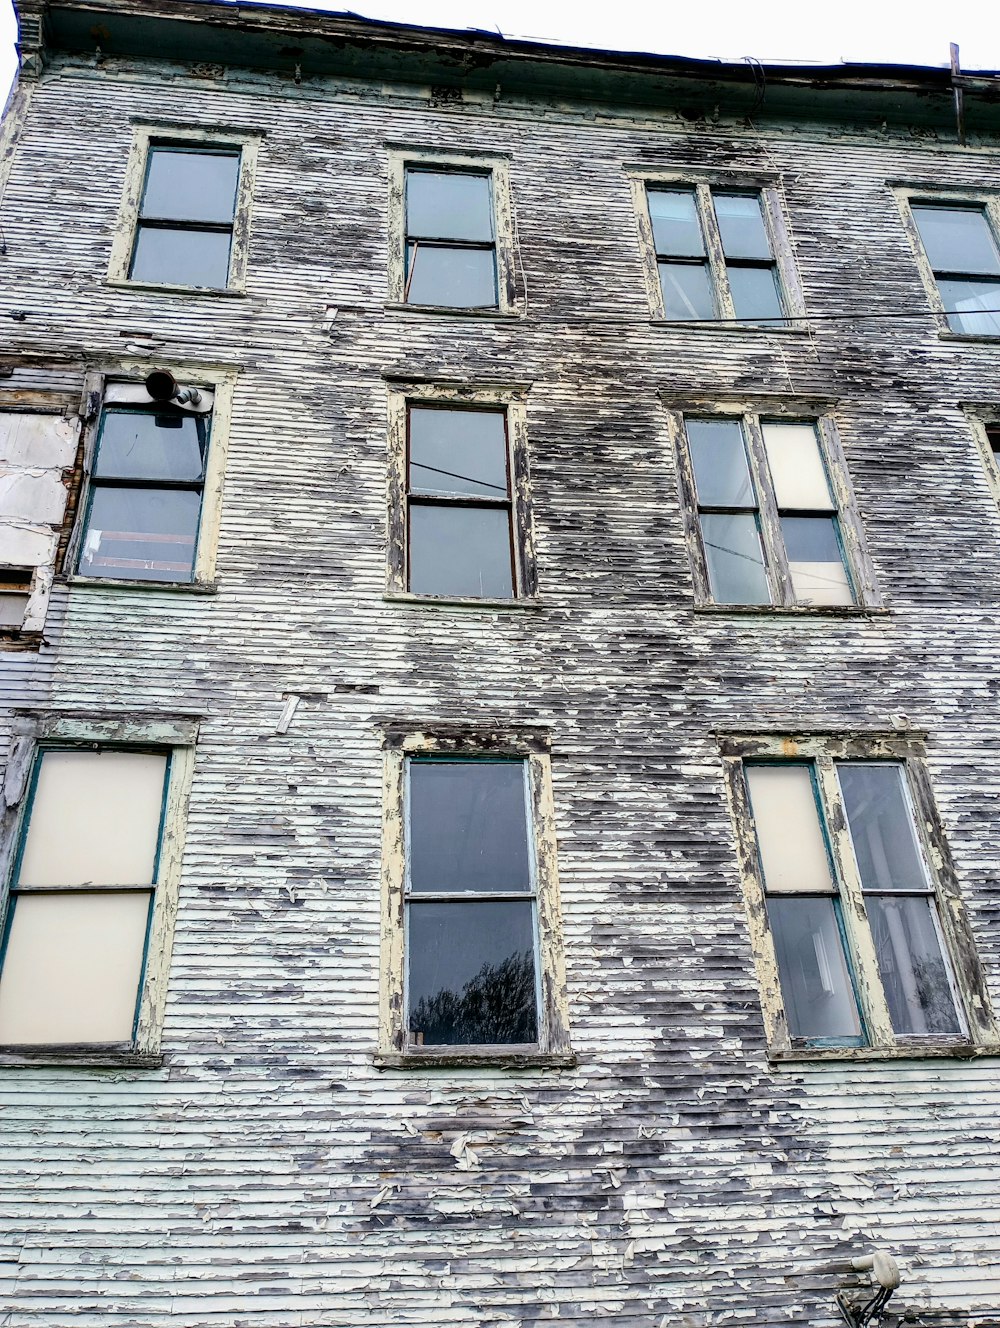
(984,421)
(823,752)
(174,737)
(510,399)
(400,743)
(752,415)
(403,158)
(148,136)
(641,179)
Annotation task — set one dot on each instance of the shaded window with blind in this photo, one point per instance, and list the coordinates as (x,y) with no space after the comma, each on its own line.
(143,505)
(769,526)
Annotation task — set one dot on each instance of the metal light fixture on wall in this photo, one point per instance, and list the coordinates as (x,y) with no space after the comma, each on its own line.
(885,1271)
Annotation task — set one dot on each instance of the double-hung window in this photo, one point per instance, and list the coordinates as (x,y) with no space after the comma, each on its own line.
(845,881)
(715,255)
(474,965)
(763,513)
(960,244)
(92,891)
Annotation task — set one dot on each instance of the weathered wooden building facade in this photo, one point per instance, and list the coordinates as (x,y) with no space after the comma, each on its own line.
(499,559)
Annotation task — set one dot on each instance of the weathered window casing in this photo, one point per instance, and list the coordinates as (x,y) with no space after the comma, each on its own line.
(403,397)
(496,170)
(171,740)
(783,589)
(875,1036)
(402,744)
(132,221)
(910,199)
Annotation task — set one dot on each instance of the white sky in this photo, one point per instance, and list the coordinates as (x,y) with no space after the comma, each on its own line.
(896,31)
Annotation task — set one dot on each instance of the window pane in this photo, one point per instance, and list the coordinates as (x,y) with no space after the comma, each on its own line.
(755,294)
(191,186)
(458,451)
(472,973)
(460,278)
(962,301)
(141,534)
(881,826)
(448,205)
(151,445)
(460,551)
(12,608)
(912,965)
(797,470)
(815,980)
(72,967)
(687,291)
(468,826)
(790,839)
(94,819)
(182,258)
(735,560)
(958,240)
(741,224)
(816,560)
(719,458)
(676,228)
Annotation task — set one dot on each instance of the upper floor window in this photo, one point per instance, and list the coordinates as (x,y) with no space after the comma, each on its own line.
(714,254)
(763,514)
(867,934)
(185,212)
(451,229)
(964,258)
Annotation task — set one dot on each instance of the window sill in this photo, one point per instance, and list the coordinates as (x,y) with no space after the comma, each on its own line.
(230,293)
(984,338)
(106,583)
(99,1056)
(462,1058)
(796,610)
(450,311)
(792,329)
(911,1051)
(451,602)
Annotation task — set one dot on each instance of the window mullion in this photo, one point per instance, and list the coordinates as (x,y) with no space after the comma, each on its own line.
(859,935)
(778,575)
(716,257)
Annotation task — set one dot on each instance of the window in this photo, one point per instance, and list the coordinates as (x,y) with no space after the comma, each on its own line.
(867,936)
(764,516)
(452,228)
(460,520)
(715,253)
(92,890)
(151,501)
(961,249)
(185,211)
(471,900)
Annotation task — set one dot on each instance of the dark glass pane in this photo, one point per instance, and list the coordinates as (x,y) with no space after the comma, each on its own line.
(755,294)
(462,278)
(972,306)
(191,186)
(676,228)
(912,965)
(735,560)
(460,551)
(141,534)
(816,560)
(719,457)
(471,973)
(741,225)
(815,980)
(958,240)
(151,445)
(881,826)
(458,451)
(448,205)
(468,826)
(687,291)
(182,258)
